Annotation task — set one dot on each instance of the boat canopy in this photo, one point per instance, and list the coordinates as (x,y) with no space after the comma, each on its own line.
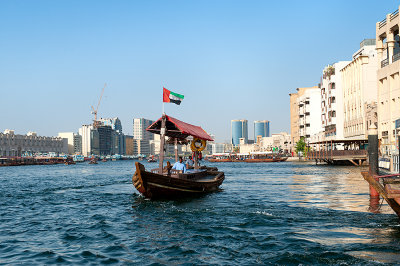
(178,129)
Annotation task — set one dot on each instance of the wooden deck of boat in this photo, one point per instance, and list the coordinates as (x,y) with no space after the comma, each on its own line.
(389,189)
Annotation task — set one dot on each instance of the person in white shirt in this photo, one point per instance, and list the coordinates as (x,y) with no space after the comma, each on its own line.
(180,166)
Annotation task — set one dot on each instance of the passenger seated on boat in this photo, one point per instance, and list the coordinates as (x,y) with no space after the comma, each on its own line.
(167,169)
(189,163)
(179,166)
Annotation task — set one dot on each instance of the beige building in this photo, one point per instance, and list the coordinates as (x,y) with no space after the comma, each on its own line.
(297,99)
(388,49)
(360,93)
(30,144)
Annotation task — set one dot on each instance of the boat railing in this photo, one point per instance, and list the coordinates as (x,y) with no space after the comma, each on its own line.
(172,171)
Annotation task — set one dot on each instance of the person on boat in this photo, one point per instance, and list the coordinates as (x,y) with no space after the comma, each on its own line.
(180,166)
(189,163)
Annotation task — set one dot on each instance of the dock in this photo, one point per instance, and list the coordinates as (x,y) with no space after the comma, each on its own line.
(339,152)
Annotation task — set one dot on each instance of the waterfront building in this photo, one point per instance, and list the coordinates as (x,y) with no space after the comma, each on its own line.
(218,148)
(388,49)
(309,112)
(74,142)
(295,115)
(139,129)
(117,137)
(105,140)
(261,128)
(154,147)
(114,123)
(90,140)
(359,85)
(12,144)
(277,142)
(239,130)
(332,111)
(129,145)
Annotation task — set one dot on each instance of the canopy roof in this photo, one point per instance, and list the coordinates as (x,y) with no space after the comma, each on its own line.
(178,129)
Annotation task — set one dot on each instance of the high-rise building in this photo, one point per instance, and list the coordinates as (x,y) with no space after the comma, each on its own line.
(239,130)
(301,114)
(332,111)
(261,128)
(114,123)
(309,111)
(142,137)
(139,129)
(105,140)
(87,139)
(118,145)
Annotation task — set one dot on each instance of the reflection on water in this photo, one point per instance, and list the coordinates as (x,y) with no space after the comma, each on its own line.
(273,213)
(334,187)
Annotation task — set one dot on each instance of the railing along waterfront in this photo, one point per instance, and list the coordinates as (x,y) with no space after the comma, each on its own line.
(329,154)
(396,163)
(382,23)
(384,62)
(396,57)
(394,15)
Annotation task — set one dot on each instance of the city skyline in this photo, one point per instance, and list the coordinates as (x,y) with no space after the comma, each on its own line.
(229,59)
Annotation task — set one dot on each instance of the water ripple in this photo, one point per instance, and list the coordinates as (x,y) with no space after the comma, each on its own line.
(277,213)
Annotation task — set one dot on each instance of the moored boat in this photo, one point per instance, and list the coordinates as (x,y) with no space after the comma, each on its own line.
(263,157)
(164,182)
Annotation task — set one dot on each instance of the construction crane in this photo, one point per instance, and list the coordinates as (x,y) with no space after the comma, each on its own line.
(95,122)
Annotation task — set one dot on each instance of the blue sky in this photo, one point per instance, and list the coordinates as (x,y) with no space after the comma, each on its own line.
(231,59)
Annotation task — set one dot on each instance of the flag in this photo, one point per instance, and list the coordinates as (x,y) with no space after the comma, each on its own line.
(172,97)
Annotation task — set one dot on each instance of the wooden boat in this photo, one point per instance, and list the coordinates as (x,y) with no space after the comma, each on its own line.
(93,161)
(164,182)
(176,185)
(265,160)
(388,187)
(262,157)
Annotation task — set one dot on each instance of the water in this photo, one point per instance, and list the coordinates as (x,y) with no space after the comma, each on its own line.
(273,213)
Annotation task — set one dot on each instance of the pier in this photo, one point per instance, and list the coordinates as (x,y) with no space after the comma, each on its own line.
(339,152)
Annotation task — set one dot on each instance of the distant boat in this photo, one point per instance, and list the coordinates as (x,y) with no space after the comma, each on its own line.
(263,157)
(93,161)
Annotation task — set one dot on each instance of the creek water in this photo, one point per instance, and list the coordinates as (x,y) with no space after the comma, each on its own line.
(266,213)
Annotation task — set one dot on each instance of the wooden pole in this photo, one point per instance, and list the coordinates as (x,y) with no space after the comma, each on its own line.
(196,162)
(162,143)
(373,158)
(176,149)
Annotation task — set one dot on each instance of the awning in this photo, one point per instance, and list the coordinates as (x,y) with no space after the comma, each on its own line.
(178,129)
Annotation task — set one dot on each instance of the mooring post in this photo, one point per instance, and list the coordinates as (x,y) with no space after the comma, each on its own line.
(373,158)
(398,146)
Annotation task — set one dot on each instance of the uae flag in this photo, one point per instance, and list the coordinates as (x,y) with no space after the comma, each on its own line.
(172,97)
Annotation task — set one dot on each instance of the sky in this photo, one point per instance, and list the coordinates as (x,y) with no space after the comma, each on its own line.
(230,59)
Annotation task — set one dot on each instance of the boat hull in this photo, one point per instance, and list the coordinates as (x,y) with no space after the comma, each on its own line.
(265,160)
(153,185)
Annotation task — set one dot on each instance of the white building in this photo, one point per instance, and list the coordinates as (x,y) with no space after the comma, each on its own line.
(332,111)
(309,121)
(139,129)
(74,142)
(359,83)
(86,132)
(30,144)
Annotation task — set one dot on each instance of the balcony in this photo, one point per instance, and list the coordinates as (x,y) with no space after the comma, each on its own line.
(384,62)
(396,57)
